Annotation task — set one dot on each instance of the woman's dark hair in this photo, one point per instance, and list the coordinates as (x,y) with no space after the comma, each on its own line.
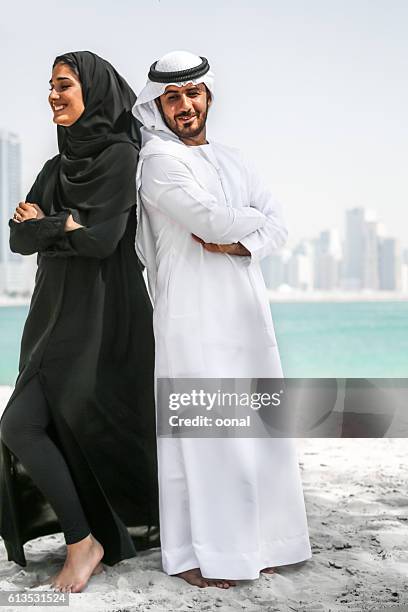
(63,59)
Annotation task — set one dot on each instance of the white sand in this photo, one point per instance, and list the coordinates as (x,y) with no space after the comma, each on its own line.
(357,506)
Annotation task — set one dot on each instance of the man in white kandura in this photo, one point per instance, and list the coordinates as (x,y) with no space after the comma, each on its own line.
(229,508)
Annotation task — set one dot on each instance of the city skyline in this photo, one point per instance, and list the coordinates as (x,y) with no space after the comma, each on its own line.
(365,258)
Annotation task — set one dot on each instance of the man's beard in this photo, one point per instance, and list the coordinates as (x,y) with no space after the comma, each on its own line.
(187,132)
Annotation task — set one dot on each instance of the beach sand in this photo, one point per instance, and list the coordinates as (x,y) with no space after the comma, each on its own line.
(357,506)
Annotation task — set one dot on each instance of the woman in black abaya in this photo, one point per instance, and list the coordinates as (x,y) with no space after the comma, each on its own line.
(78,450)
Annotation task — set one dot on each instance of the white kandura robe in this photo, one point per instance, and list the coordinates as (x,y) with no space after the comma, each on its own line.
(228,506)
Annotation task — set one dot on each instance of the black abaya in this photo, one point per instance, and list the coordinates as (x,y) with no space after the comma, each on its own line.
(88,335)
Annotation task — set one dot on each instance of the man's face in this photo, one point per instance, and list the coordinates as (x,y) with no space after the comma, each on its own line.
(184,109)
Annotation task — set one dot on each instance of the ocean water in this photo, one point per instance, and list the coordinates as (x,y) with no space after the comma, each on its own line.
(325,339)
(343,339)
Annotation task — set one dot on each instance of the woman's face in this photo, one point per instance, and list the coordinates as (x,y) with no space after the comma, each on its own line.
(66,95)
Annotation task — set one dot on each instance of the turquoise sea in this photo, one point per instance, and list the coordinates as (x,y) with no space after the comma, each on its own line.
(325,339)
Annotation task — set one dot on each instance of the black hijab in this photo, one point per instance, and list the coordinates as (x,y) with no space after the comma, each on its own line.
(101,146)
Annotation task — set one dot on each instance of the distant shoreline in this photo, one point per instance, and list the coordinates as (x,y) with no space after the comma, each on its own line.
(5,301)
(336,296)
(289,296)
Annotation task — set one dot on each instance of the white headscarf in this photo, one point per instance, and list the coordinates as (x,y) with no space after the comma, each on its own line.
(157,136)
(146,109)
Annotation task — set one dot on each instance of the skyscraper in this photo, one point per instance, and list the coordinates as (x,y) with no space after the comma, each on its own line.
(327,256)
(404,271)
(274,269)
(361,249)
(370,254)
(300,267)
(353,268)
(390,265)
(10,195)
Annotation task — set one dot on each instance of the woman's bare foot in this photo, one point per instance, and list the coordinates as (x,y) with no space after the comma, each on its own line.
(268,570)
(195,578)
(83,560)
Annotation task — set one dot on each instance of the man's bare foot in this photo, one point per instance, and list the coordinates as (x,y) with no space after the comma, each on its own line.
(268,570)
(83,560)
(221,584)
(195,577)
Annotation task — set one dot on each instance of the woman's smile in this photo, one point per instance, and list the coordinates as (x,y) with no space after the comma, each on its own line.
(56,108)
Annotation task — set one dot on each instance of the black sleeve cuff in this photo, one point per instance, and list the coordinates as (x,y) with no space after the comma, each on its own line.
(51,228)
(52,237)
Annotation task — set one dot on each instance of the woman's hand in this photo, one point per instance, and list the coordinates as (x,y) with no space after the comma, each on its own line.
(27,210)
(70,224)
(40,214)
(235,248)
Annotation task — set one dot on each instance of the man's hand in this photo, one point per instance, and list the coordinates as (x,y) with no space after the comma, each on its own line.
(236,248)
(27,210)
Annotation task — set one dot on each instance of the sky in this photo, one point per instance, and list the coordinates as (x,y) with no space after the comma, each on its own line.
(314,91)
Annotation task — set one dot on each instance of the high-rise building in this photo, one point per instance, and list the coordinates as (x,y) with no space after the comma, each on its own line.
(370,254)
(10,188)
(274,269)
(361,249)
(11,276)
(390,270)
(404,271)
(300,267)
(327,256)
(353,265)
